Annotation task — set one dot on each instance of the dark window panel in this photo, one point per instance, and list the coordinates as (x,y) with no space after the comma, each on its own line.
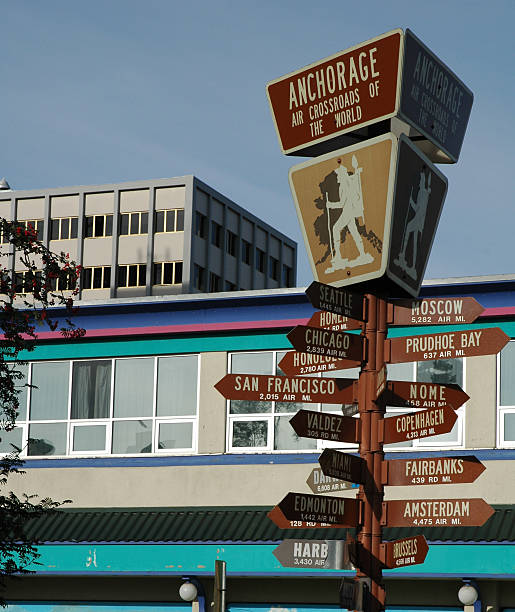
(144,223)
(109,225)
(133,276)
(74,227)
(88,228)
(179,226)
(87,277)
(122,276)
(65,229)
(107,277)
(135,223)
(97,278)
(160,221)
(124,225)
(178,273)
(170,221)
(54,229)
(142,275)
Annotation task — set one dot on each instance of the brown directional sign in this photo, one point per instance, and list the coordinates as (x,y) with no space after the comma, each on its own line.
(435,311)
(313,554)
(436,512)
(339,345)
(318,482)
(325,426)
(277,517)
(294,363)
(421,424)
(337,300)
(447,345)
(320,509)
(423,395)
(407,551)
(313,106)
(329,320)
(432,470)
(342,466)
(261,387)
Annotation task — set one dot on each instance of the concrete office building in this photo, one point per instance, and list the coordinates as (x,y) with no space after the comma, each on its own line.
(155,237)
(166,476)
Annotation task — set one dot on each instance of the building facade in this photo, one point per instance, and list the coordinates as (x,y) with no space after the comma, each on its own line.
(166,475)
(155,237)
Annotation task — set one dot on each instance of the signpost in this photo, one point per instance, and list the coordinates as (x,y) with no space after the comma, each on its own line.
(295,362)
(432,471)
(326,426)
(329,320)
(342,466)
(421,424)
(407,551)
(314,554)
(336,300)
(264,388)
(338,345)
(277,517)
(422,395)
(318,482)
(436,513)
(434,311)
(321,509)
(447,345)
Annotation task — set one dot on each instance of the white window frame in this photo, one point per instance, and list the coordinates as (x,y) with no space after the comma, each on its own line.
(502,409)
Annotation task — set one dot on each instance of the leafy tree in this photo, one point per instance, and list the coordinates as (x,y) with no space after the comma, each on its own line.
(48,280)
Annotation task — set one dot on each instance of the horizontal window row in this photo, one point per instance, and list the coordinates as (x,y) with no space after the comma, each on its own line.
(506,395)
(27,225)
(132,275)
(134,223)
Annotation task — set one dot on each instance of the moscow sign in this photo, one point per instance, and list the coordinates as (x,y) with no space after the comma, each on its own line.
(434,311)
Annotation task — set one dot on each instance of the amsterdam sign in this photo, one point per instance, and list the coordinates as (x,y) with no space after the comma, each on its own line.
(422,395)
(264,388)
(421,424)
(432,471)
(407,551)
(436,512)
(337,300)
(342,466)
(329,320)
(325,426)
(338,345)
(318,482)
(313,554)
(320,509)
(295,363)
(447,345)
(434,311)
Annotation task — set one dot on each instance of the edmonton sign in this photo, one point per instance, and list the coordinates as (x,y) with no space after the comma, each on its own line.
(433,470)
(421,424)
(422,395)
(336,344)
(324,426)
(320,509)
(436,512)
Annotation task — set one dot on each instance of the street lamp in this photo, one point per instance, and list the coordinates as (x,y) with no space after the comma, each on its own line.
(468,595)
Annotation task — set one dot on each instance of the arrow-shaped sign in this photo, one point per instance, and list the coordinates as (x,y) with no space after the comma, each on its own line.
(335,344)
(435,311)
(329,320)
(294,363)
(313,554)
(264,388)
(432,470)
(342,466)
(447,345)
(436,512)
(407,551)
(337,300)
(326,426)
(421,424)
(422,395)
(318,482)
(320,509)
(279,520)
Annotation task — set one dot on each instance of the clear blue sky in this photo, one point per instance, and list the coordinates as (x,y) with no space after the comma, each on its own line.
(112,90)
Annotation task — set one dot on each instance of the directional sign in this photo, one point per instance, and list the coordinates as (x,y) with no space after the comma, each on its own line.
(447,345)
(435,311)
(338,94)
(294,363)
(436,513)
(320,509)
(261,387)
(338,345)
(337,300)
(407,551)
(421,424)
(434,101)
(329,320)
(325,426)
(277,517)
(432,470)
(422,395)
(313,554)
(342,466)
(318,482)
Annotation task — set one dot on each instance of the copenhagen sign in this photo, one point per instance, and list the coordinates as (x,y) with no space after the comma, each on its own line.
(421,424)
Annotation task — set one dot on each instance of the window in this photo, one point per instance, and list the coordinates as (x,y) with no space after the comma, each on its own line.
(264,425)
(132,275)
(133,223)
(63,228)
(246,252)
(231,243)
(200,225)
(98,226)
(167,273)
(215,282)
(274,269)
(287,276)
(33,224)
(199,278)
(506,395)
(96,278)
(169,220)
(216,234)
(107,406)
(26,280)
(260,260)
(230,286)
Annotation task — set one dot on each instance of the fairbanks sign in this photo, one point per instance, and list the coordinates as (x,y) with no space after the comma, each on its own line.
(431,471)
